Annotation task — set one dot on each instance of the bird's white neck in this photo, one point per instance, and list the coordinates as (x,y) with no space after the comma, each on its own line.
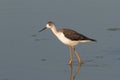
(54,30)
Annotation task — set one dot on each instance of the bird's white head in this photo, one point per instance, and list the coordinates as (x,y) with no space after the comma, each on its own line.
(49,25)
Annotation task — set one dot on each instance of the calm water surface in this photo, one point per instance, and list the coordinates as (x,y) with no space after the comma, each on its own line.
(26,54)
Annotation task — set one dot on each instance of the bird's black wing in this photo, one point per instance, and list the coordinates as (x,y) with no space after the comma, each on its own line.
(73,35)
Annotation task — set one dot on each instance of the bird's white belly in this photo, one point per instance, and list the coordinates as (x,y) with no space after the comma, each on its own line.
(65,40)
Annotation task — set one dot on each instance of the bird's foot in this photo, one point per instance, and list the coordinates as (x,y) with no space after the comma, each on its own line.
(81,62)
(70,62)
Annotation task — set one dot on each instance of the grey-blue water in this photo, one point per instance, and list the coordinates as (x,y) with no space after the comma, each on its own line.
(26,54)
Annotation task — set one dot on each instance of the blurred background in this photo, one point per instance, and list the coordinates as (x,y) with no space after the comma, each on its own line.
(26,54)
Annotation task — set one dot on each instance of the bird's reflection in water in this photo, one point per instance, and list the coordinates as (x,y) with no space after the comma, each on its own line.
(74,73)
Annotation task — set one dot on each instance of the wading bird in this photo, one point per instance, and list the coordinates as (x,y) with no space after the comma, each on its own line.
(69,37)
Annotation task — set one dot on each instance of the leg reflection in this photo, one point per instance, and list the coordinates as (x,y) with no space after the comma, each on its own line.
(75,73)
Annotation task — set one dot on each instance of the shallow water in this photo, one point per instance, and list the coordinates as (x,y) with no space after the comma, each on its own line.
(26,54)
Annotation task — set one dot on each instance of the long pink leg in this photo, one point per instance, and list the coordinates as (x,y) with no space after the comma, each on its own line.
(71,56)
(78,56)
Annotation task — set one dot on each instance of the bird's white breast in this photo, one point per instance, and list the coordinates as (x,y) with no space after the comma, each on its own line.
(65,40)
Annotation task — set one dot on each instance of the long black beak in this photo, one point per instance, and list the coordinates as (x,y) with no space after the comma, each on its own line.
(43,29)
